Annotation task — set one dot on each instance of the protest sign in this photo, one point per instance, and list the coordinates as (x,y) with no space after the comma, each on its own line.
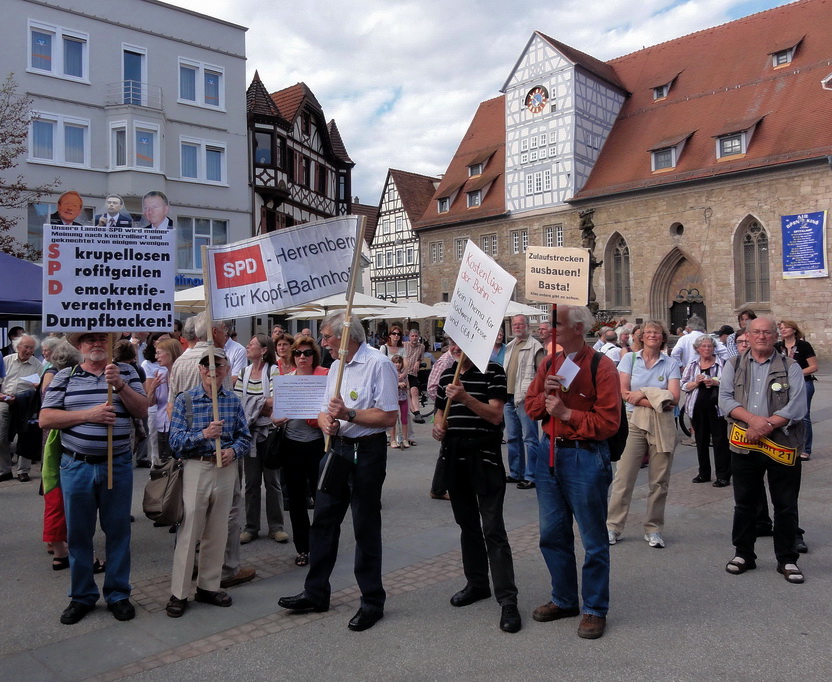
(804,245)
(282,269)
(481,295)
(107,278)
(298,396)
(557,274)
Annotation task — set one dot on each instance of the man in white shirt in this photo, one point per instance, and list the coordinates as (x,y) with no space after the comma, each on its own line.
(683,350)
(610,347)
(235,352)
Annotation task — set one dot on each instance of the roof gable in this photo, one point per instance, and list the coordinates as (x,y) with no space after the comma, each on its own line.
(414,190)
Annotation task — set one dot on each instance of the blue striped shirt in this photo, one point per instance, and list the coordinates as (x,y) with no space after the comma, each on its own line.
(83,391)
(189,442)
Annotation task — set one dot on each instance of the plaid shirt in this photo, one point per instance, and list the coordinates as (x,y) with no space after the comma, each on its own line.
(189,442)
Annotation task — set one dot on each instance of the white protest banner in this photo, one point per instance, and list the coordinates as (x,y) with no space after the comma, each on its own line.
(282,269)
(481,295)
(108,279)
(557,274)
(298,397)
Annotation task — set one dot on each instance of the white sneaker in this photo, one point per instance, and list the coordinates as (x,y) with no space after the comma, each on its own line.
(613,536)
(247,536)
(654,540)
(279,536)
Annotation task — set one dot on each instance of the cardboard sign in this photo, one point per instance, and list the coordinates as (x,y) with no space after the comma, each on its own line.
(557,274)
(108,279)
(282,269)
(481,295)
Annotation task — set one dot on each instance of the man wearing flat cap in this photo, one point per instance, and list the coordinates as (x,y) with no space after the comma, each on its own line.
(76,403)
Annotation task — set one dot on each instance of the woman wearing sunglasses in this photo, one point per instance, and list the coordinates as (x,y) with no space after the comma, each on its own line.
(303,447)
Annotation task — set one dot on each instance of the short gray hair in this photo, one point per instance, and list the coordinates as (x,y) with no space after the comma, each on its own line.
(580,315)
(49,343)
(704,338)
(188,329)
(768,319)
(696,323)
(335,323)
(66,355)
(201,326)
(20,338)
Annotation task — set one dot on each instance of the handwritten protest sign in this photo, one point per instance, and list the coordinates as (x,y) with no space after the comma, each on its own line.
(557,274)
(282,269)
(481,295)
(804,245)
(107,278)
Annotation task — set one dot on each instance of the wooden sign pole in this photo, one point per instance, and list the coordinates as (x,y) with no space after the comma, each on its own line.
(212,366)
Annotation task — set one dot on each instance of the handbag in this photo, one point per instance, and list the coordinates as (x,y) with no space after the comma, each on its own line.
(335,473)
(271,449)
(162,500)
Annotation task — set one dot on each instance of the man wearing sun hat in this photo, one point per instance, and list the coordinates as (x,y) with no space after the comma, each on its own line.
(76,403)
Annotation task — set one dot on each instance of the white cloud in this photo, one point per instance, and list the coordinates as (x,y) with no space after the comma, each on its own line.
(403,79)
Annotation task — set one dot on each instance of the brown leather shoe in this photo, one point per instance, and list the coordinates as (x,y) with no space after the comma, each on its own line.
(551,611)
(591,627)
(240,577)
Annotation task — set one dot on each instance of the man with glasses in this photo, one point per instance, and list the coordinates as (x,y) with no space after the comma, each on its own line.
(764,394)
(77,404)
(207,489)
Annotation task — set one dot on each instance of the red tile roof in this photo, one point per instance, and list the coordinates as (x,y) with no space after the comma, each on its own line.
(289,100)
(487,132)
(258,100)
(588,62)
(415,192)
(371,222)
(726,80)
(338,147)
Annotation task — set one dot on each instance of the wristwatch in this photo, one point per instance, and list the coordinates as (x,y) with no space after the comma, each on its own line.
(350,415)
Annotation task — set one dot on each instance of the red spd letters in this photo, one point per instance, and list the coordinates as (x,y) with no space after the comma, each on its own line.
(240,267)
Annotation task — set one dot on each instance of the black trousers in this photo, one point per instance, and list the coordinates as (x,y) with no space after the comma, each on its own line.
(300,469)
(749,488)
(707,425)
(361,493)
(477,486)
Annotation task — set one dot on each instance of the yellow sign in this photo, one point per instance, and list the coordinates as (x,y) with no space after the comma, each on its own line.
(557,274)
(768,447)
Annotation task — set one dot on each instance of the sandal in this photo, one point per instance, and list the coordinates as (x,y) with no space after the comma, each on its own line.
(176,607)
(394,445)
(212,598)
(412,443)
(738,566)
(302,559)
(60,563)
(805,456)
(405,444)
(49,549)
(791,573)
(99,566)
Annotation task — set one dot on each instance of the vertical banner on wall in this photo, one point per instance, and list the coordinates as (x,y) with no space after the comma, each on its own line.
(804,245)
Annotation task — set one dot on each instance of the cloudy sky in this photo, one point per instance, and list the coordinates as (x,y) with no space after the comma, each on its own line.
(403,78)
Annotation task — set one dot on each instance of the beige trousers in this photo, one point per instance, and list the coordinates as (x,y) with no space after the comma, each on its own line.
(207,493)
(658,478)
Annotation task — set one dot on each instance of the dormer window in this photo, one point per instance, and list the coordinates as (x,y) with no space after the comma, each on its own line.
(664,158)
(443,205)
(729,145)
(660,92)
(474,198)
(826,83)
(783,52)
(782,58)
(661,87)
(474,169)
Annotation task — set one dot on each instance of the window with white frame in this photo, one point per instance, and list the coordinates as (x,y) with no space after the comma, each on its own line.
(542,140)
(410,255)
(59,139)
(548,235)
(474,198)
(782,57)
(379,260)
(488,243)
(529,184)
(729,145)
(58,51)
(437,252)
(547,180)
(385,227)
(459,247)
(118,145)
(660,92)
(474,169)
(558,235)
(399,257)
(524,144)
(524,157)
(553,151)
(553,137)
(664,158)
(201,84)
(533,154)
(538,182)
(443,205)
(519,241)
(388,258)
(412,288)
(533,142)
(146,146)
(399,223)
(202,160)
(194,233)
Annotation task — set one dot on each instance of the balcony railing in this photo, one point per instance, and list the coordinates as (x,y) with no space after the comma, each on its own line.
(134,93)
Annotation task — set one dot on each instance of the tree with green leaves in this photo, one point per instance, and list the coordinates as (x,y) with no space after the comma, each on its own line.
(15,192)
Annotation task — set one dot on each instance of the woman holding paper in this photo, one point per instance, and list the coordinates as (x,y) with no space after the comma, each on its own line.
(254,390)
(303,447)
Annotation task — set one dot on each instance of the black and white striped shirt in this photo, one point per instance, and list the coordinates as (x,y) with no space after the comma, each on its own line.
(462,422)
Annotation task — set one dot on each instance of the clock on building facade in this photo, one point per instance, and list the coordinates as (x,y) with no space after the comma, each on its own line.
(536,99)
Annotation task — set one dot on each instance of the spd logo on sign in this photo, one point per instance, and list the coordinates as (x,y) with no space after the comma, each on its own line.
(239,267)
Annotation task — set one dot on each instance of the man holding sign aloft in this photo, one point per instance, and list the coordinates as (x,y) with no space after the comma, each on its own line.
(475,479)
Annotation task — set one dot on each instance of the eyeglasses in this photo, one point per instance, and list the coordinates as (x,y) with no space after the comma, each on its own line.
(308,353)
(395,333)
(761,332)
(218,366)
(326,337)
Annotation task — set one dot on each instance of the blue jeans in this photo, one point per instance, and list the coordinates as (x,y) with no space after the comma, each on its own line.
(578,491)
(807,420)
(86,497)
(523,438)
